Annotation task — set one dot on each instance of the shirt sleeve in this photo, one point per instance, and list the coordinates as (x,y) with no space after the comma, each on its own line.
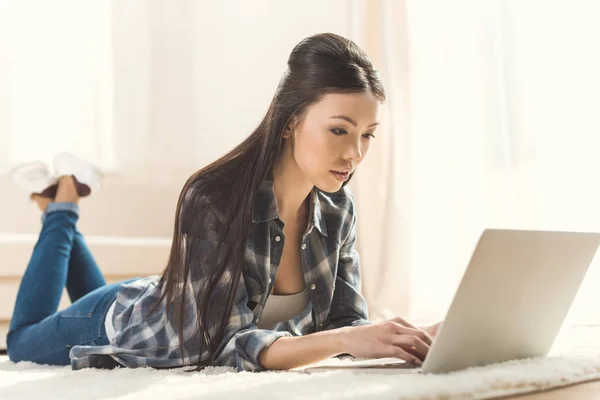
(348,306)
(242,341)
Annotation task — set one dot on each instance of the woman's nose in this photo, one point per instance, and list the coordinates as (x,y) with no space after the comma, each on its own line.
(353,151)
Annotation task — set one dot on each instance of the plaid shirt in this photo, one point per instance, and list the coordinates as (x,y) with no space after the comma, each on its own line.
(331,272)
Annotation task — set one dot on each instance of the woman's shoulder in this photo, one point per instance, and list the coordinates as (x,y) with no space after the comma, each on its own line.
(200,204)
(206,187)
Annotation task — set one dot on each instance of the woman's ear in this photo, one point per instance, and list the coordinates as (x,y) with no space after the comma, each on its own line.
(289,129)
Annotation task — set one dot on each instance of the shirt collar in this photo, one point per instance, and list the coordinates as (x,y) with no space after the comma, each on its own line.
(265,206)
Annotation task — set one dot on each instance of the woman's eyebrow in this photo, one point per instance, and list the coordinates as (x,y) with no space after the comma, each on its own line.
(352,121)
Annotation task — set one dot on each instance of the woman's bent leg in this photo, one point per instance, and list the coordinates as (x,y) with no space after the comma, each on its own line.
(46,274)
(84,275)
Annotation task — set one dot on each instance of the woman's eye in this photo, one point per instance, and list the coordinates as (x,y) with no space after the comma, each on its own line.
(337,131)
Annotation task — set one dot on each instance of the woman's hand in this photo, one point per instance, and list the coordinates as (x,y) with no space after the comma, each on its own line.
(392,338)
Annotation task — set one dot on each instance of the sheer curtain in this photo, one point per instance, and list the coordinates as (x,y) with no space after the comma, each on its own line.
(56,80)
(109,81)
(150,90)
(491,122)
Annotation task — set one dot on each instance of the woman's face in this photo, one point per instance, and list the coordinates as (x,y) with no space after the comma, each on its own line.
(334,137)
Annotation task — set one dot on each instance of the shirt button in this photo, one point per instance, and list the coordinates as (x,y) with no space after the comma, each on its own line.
(303,246)
(257,319)
(277,238)
(269,280)
(312,286)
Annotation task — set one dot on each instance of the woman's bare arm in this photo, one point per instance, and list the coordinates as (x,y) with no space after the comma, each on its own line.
(393,338)
(293,352)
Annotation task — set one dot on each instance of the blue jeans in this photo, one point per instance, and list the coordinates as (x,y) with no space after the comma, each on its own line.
(60,258)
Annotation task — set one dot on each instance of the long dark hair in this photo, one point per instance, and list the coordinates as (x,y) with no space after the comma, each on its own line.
(319,64)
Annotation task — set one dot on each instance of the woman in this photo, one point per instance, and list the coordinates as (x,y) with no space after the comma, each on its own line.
(262,272)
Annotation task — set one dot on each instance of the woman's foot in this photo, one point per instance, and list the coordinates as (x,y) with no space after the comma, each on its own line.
(41,201)
(67,190)
(87,177)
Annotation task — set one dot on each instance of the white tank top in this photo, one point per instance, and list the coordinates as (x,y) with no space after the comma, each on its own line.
(110,330)
(278,308)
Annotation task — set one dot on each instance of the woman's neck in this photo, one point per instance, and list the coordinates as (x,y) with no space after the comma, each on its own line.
(291,189)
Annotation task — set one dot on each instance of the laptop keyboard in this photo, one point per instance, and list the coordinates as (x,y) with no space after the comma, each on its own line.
(388,365)
(393,366)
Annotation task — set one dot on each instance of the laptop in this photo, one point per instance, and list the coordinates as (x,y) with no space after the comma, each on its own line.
(510,304)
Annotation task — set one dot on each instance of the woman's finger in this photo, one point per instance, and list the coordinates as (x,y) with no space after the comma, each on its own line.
(406,341)
(404,322)
(414,352)
(398,352)
(402,330)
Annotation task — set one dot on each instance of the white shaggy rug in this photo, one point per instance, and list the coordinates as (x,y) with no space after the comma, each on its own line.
(574,358)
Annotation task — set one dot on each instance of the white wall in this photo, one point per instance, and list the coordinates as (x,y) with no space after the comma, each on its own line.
(210,85)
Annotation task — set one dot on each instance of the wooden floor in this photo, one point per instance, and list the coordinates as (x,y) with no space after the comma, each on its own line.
(582,391)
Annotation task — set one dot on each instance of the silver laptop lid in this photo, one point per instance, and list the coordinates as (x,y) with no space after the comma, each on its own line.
(513,297)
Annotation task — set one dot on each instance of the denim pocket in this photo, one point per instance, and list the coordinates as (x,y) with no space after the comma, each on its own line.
(85,318)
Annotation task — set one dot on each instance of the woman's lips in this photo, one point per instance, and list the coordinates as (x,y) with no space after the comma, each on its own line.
(342,177)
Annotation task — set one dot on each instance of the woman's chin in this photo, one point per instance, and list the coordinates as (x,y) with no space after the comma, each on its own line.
(329,186)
